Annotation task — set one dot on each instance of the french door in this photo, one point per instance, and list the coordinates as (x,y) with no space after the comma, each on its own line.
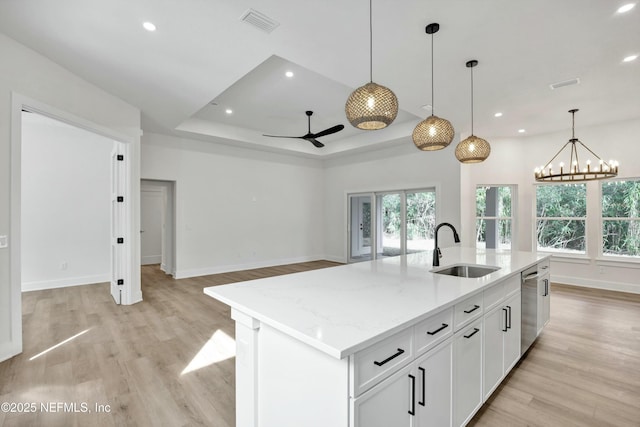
(360,227)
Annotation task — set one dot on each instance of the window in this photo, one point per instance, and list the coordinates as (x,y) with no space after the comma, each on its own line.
(561,212)
(493,217)
(384,224)
(621,218)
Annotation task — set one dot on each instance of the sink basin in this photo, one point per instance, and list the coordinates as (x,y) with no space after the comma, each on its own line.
(466,270)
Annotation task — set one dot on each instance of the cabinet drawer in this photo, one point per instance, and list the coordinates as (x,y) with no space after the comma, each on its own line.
(543,266)
(467,310)
(372,365)
(493,296)
(433,330)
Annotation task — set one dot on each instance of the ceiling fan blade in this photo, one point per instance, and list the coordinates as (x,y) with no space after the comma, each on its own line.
(336,128)
(282,136)
(315,142)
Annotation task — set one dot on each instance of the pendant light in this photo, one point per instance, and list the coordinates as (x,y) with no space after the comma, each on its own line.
(433,133)
(472,149)
(574,172)
(372,106)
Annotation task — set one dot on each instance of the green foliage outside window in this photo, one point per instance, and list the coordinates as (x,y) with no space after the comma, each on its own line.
(561,212)
(621,218)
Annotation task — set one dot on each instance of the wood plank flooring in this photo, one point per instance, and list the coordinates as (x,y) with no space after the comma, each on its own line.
(583,371)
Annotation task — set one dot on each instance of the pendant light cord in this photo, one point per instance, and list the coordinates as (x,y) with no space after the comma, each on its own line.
(471,100)
(370,41)
(432,105)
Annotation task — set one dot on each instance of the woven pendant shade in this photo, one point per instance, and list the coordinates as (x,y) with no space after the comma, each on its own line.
(433,133)
(473,150)
(371,107)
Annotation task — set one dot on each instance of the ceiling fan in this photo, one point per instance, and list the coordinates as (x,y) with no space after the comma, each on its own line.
(311,137)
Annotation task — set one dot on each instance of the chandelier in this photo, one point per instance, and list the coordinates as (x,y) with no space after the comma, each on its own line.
(575,171)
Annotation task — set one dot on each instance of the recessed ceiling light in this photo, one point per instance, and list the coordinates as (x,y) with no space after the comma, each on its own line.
(497,114)
(521,131)
(149,26)
(626,8)
(630,58)
(228,111)
(289,74)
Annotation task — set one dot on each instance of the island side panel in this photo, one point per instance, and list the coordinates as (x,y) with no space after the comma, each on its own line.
(299,385)
(247,329)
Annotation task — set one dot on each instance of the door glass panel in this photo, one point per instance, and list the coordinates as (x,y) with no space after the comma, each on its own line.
(421,221)
(389,225)
(360,222)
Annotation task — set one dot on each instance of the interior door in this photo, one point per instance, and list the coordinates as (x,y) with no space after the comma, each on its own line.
(151,225)
(360,227)
(117,215)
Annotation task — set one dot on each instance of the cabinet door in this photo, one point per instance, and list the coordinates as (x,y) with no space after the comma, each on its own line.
(467,372)
(513,334)
(389,403)
(495,327)
(433,386)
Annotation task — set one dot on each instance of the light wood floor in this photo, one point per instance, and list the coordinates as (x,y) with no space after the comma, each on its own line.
(583,371)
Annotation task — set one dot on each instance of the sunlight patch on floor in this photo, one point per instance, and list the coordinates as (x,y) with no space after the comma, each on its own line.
(59,344)
(219,347)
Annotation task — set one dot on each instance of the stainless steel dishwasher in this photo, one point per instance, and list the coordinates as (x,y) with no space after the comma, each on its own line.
(529,325)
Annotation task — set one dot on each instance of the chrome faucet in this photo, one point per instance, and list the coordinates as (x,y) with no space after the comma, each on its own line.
(436,252)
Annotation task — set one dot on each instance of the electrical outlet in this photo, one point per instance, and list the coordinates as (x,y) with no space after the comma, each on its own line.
(63,265)
(4,242)
(601,270)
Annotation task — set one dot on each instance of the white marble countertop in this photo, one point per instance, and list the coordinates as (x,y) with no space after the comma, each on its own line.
(341,310)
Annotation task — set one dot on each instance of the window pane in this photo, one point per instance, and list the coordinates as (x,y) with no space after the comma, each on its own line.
(391,223)
(621,238)
(493,201)
(493,234)
(562,200)
(621,199)
(561,235)
(421,221)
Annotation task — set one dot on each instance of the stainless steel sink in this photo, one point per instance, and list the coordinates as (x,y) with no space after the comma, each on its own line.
(466,270)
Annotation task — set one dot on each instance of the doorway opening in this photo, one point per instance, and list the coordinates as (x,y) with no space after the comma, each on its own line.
(157,224)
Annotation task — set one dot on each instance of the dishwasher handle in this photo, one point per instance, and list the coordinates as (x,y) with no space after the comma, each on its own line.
(531,276)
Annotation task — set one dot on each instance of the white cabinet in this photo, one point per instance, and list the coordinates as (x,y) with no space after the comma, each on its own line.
(417,395)
(467,372)
(501,341)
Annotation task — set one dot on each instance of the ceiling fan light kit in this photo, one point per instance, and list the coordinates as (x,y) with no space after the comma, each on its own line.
(433,133)
(575,171)
(372,106)
(472,149)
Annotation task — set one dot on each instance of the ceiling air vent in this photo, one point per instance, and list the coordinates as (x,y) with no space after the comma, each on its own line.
(259,20)
(569,82)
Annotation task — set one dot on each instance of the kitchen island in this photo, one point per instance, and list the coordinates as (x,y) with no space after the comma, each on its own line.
(348,345)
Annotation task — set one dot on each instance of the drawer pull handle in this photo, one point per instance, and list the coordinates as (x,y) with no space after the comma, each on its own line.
(400,351)
(475,307)
(444,325)
(506,319)
(475,331)
(509,322)
(424,387)
(412,411)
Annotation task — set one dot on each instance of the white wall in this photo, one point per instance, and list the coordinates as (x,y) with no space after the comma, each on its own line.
(66,202)
(237,208)
(512,161)
(27,73)
(402,167)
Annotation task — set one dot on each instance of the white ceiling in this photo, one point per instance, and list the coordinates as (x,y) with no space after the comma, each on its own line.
(202,53)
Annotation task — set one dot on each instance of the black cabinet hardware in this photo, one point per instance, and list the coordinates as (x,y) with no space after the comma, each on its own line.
(475,331)
(475,307)
(546,287)
(444,325)
(400,351)
(506,322)
(509,322)
(424,379)
(412,411)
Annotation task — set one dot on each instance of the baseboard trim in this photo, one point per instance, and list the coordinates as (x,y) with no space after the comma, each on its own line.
(9,350)
(596,284)
(150,259)
(65,283)
(196,272)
